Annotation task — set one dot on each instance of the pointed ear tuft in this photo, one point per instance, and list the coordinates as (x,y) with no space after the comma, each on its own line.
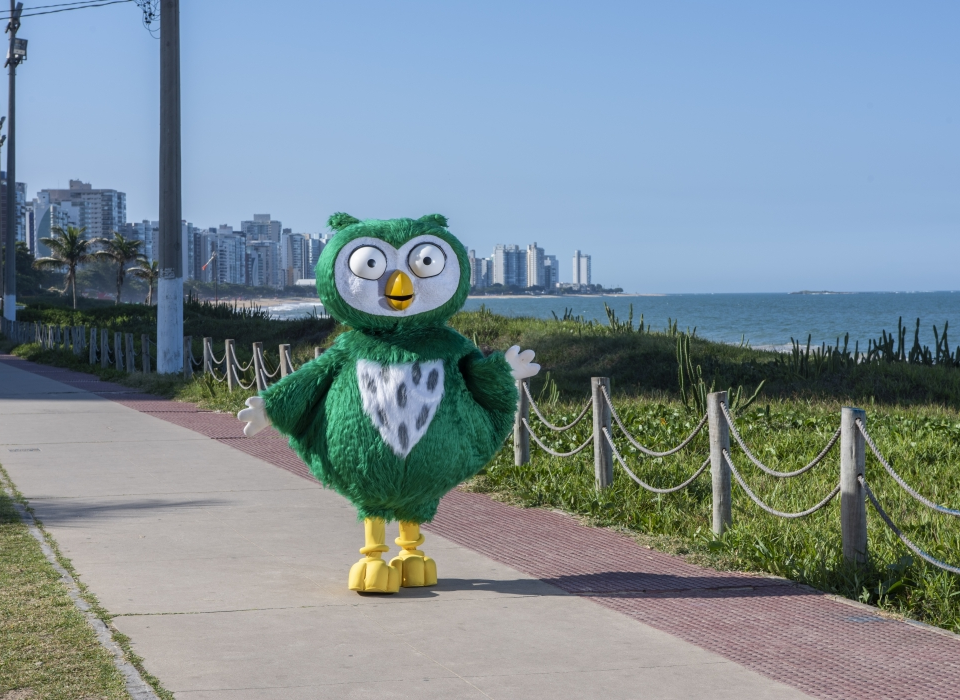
(339,221)
(438,219)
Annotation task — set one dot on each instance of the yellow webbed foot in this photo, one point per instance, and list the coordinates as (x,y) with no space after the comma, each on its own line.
(371,574)
(417,569)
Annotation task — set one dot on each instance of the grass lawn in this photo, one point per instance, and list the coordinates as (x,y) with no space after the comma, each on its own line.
(46,645)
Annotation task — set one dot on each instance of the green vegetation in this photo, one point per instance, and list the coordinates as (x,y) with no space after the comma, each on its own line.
(912,399)
(46,645)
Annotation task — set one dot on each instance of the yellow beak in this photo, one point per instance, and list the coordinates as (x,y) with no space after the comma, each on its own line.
(399,291)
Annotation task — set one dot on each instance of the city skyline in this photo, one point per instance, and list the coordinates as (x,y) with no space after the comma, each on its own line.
(260,251)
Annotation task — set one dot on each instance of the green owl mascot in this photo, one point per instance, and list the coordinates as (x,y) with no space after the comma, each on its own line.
(402,408)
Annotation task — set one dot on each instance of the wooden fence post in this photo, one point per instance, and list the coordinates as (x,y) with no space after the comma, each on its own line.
(208,355)
(317,352)
(131,359)
(145,352)
(853,507)
(258,370)
(187,357)
(286,365)
(104,348)
(230,359)
(93,345)
(602,454)
(719,469)
(521,438)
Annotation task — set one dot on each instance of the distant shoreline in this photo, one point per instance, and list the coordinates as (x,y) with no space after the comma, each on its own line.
(558,296)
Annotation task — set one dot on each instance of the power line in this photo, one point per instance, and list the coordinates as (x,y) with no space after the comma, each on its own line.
(62,4)
(69,9)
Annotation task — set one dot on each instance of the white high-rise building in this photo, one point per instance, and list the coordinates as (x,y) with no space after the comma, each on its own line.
(263,264)
(534,266)
(581,268)
(230,264)
(262,228)
(551,272)
(509,266)
(479,271)
(294,252)
(101,211)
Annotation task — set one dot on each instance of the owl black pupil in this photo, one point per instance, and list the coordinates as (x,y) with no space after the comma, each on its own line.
(427,261)
(371,263)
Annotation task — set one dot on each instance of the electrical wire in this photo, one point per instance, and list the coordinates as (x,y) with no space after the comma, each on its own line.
(66,9)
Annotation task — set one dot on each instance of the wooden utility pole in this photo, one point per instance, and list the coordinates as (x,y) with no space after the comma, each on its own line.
(170,285)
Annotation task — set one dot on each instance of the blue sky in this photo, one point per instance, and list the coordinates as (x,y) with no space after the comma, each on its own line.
(688,146)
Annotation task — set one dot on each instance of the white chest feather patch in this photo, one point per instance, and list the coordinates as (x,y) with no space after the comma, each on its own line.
(401,400)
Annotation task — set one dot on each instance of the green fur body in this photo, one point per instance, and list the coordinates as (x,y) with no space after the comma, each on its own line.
(320,407)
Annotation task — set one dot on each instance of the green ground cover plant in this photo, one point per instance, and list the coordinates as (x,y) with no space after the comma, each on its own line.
(46,645)
(912,401)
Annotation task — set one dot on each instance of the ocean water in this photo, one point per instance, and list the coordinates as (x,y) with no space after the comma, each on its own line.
(762,320)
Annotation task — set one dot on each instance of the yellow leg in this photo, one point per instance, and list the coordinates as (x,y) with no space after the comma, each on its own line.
(371,574)
(418,569)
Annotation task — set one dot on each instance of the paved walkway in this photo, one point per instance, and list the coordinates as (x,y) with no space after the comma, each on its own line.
(228,575)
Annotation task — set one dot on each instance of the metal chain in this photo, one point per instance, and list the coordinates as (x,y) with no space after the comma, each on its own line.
(896,477)
(772,472)
(646,450)
(648,487)
(903,538)
(772,511)
(553,452)
(554,428)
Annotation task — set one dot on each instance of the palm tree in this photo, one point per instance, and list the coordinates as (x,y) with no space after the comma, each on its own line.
(121,251)
(149,271)
(68,249)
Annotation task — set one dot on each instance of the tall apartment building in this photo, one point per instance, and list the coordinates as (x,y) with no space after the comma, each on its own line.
(47,216)
(262,228)
(21,215)
(551,272)
(581,268)
(534,266)
(479,270)
(294,257)
(142,231)
(101,211)
(509,264)
(263,263)
(225,255)
(314,247)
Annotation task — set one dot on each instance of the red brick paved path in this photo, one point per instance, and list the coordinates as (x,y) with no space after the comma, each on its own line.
(823,647)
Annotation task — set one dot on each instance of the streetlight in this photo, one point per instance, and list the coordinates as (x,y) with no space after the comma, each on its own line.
(16,55)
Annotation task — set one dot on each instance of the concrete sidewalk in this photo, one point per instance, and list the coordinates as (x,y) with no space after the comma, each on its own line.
(229,576)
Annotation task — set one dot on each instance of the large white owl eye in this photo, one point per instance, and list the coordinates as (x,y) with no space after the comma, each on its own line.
(427,260)
(368,262)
